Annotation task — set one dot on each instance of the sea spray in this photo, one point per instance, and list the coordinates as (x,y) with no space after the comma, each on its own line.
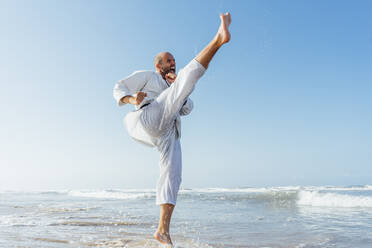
(320,199)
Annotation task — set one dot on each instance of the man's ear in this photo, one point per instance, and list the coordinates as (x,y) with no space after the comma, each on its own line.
(158,67)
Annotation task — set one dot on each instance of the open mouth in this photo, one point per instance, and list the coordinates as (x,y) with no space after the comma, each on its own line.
(170,70)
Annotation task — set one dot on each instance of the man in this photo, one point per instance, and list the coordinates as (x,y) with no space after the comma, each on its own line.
(160,98)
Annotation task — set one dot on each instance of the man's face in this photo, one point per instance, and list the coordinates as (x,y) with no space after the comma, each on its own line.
(168,64)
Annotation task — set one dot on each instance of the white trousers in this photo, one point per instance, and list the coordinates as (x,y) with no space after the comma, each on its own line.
(155,125)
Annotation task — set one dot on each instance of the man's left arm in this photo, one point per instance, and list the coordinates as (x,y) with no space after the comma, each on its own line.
(187,107)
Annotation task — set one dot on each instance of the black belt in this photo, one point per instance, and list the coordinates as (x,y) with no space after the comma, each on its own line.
(144,105)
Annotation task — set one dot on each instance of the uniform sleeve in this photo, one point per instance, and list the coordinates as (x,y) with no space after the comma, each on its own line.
(131,85)
(187,107)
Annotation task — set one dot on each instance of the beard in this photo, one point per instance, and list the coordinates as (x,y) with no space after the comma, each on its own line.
(166,70)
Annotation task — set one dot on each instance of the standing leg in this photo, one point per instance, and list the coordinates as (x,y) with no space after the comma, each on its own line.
(162,234)
(168,184)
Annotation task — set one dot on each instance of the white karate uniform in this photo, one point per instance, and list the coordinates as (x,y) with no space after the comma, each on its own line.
(158,124)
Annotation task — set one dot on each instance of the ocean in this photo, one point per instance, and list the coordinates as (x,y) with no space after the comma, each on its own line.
(275,217)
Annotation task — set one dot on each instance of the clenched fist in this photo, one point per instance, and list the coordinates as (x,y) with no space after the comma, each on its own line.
(135,100)
(170,77)
(139,98)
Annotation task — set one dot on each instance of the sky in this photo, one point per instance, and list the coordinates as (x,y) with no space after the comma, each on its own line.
(286,102)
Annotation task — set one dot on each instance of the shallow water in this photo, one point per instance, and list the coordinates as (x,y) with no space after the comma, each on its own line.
(291,217)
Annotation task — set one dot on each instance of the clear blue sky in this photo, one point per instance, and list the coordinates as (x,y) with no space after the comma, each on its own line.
(287,102)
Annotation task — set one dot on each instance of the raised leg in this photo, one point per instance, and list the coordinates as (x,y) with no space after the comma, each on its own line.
(167,105)
(222,37)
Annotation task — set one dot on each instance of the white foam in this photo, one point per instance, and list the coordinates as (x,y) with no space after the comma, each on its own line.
(201,190)
(335,188)
(240,190)
(14,220)
(318,199)
(368,187)
(110,194)
(224,190)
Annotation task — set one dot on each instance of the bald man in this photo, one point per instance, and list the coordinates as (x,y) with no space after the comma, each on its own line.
(160,98)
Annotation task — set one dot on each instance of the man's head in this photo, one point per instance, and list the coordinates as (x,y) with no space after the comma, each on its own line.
(164,63)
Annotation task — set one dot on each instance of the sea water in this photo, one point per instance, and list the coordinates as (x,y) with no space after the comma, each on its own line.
(290,217)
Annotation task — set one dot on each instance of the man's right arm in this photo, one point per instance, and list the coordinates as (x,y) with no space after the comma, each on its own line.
(135,100)
(127,90)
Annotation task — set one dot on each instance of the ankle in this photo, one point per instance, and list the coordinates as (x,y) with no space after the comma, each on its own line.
(218,41)
(162,230)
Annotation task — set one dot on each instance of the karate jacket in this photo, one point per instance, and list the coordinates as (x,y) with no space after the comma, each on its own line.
(152,84)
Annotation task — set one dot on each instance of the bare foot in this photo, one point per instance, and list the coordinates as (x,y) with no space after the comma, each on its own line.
(223,34)
(163,238)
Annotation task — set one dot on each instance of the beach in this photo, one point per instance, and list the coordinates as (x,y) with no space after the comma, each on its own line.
(291,217)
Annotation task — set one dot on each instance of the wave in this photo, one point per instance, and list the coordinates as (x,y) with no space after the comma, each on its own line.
(276,189)
(203,190)
(240,190)
(319,199)
(283,196)
(112,194)
(93,223)
(323,196)
(318,196)
(65,209)
(334,188)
